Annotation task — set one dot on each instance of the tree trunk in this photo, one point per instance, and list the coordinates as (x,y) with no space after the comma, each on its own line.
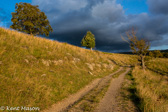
(91,48)
(31,32)
(142,62)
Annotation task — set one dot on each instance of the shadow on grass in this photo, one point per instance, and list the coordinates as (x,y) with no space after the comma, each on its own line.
(133,94)
(163,73)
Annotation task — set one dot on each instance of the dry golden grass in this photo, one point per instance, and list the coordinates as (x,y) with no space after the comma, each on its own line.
(39,72)
(152,90)
(123,59)
(159,64)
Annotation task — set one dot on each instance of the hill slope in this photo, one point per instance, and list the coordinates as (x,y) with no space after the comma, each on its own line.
(39,72)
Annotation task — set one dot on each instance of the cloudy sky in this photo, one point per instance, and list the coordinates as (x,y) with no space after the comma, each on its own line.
(106,19)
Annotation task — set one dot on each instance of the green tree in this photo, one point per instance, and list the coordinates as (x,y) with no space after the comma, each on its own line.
(151,54)
(157,54)
(139,47)
(88,40)
(165,55)
(29,19)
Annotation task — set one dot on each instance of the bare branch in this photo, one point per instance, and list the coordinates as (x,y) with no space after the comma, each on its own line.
(124,39)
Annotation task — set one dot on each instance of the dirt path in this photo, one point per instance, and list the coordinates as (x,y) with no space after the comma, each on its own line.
(108,103)
(89,102)
(68,102)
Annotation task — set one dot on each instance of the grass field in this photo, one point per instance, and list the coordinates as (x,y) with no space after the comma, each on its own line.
(151,89)
(123,59)
(159,64)
(38,72)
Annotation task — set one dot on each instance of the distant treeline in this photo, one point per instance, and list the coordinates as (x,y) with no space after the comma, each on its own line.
(158,54)
(155,53)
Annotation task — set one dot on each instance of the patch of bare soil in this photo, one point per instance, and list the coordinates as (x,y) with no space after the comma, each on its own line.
(125,97)
(109,102)
(66,104)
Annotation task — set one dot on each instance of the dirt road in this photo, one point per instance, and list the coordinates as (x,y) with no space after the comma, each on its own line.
(108,103)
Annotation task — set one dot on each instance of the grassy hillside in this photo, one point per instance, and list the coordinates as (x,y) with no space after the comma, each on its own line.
(159,64)
(151,88)
(39,72)
(123,59)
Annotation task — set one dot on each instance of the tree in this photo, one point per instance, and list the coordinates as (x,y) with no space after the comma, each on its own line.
(88,40)
(29,19)
(139,47)
(157,54)
(151,54)
(165,55)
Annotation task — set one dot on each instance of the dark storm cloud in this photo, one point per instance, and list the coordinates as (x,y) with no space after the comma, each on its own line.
(150,27)
(158,6)
(105,18)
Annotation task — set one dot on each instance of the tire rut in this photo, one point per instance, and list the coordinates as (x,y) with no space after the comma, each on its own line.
(109,103)
(67,104)
(88,102)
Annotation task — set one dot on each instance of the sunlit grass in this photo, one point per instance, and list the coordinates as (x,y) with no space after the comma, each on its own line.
(152,90)
(123,59)
(159,64)
(39,72)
